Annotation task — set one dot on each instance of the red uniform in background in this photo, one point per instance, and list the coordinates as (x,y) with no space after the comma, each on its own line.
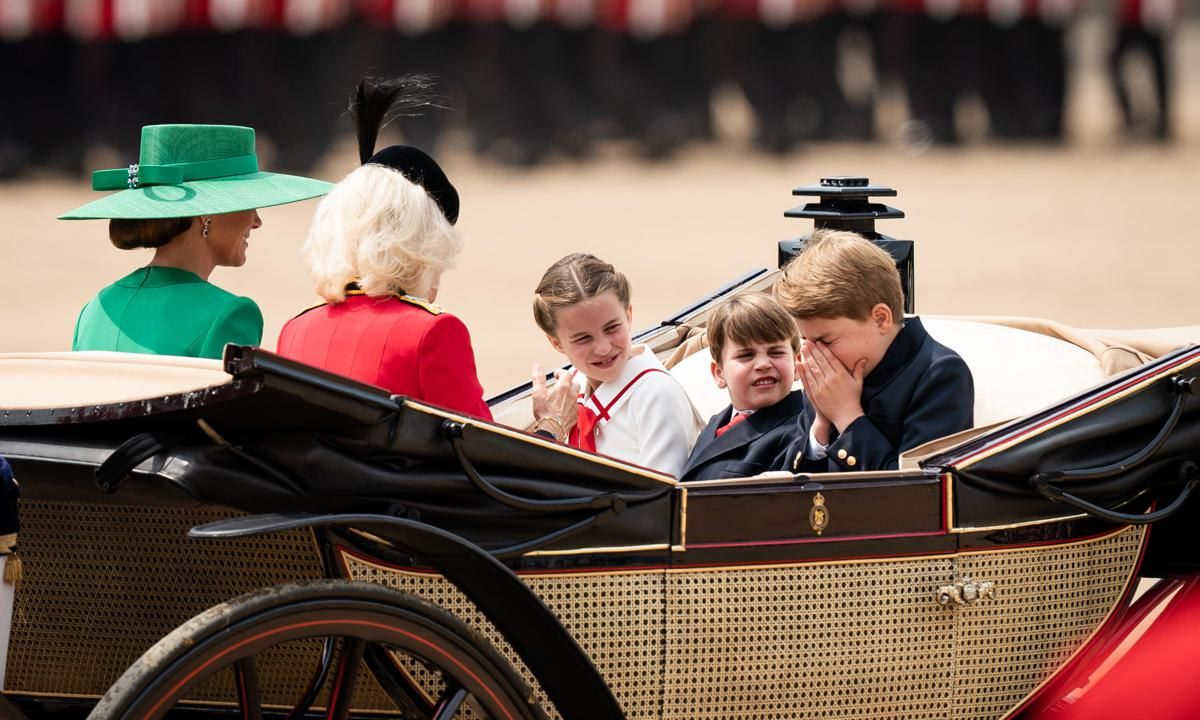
(1143,28)
(22,18)
(400,343)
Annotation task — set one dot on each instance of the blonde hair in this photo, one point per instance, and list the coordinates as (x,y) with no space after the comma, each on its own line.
(839,274)
(572,280)
(750,318)
(382,231)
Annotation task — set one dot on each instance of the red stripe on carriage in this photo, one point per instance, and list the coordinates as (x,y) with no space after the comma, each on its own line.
(947,484)
(805,541)
(677,556)
(909,554)
(337,690)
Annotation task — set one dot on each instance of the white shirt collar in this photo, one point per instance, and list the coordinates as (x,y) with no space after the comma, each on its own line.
(606,395)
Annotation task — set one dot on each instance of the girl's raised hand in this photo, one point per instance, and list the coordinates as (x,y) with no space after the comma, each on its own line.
(557,405)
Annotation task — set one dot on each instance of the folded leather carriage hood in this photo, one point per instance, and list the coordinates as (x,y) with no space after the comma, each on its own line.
(294,439)
(1128,445)
(307,472)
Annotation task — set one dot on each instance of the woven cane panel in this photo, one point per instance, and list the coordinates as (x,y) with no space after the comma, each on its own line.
(1048,601)
(105,582)
(818,641)
(865,640)
(616,619)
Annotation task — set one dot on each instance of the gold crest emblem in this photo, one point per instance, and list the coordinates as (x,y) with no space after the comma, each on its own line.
(818,517)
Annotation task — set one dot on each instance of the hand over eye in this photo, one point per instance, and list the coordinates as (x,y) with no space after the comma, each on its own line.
(834,391)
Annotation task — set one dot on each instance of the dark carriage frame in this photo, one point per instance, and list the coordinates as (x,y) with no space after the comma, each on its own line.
(486,507)
(933,510)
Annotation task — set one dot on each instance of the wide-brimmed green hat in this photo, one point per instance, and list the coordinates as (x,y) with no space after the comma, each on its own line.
(189,170)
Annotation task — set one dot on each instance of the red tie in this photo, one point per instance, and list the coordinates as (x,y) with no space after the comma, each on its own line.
(583,435)
(737,418)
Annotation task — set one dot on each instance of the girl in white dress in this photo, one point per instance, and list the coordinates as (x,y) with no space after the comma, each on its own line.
(629,406)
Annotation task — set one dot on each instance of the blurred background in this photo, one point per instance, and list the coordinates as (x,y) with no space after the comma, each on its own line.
(1046,152)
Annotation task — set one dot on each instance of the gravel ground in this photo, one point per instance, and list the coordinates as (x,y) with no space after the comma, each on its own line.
(1094,233)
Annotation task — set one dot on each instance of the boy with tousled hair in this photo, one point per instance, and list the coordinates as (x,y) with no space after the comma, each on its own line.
(754,346)
(876,384)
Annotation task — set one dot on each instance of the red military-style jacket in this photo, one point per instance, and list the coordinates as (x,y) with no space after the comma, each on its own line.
(943,8)
(23,18)
(299,17)
(400,343)
(125,20)
(1149,14)
(411,17)
(778,13)
(646,18)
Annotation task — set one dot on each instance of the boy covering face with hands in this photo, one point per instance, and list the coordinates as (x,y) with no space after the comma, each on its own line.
(876,384)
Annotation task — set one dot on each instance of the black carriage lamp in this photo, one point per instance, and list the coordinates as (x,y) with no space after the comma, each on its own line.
(845,204)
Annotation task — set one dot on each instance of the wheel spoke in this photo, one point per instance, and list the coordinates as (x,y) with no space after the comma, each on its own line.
(425,660)
(249,701)
(344,676)
(316,682)
(451,700)
(397,683)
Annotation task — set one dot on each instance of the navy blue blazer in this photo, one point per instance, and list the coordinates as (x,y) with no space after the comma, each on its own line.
(757,444)
(920,391)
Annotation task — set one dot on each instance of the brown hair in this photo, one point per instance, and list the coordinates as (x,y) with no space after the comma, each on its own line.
(150,233)
(572,280)
(749,318)
(839,274)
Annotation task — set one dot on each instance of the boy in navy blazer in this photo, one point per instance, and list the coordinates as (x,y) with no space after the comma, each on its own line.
(876,384)
(753,343)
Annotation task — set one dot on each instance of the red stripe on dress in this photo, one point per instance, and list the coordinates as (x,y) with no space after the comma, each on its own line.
(575,439)
(604,408)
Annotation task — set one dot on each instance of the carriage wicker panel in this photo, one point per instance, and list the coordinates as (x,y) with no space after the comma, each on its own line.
(1048,601)
(105,582)
(616,618)
(867,639)
(828,640)
(854,639)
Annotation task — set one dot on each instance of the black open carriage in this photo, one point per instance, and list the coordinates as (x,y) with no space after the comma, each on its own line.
(349,554)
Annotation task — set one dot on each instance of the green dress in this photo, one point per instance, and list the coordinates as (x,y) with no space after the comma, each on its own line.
(167,311)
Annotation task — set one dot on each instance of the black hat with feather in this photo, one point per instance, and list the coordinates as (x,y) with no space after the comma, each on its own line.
(377,102)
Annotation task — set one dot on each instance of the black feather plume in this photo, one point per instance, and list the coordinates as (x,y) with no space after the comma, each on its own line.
(376,102)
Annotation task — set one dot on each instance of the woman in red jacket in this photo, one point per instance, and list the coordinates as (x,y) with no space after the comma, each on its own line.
(377,249)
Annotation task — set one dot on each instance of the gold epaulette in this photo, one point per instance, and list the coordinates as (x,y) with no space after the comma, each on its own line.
(353,289)
(421,303)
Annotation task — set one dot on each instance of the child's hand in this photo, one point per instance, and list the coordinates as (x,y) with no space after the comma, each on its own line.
(557,404)
(834,391)
(820,428)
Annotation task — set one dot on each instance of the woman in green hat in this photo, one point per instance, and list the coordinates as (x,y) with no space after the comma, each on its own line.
(193,197)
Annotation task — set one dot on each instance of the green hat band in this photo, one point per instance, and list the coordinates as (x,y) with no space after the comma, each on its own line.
(136,176)
(190,170)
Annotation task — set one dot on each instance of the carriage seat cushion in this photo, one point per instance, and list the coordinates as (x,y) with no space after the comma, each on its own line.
(31,381)
(1016,371)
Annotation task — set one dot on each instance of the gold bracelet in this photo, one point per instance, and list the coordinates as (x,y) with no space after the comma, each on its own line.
(559,434)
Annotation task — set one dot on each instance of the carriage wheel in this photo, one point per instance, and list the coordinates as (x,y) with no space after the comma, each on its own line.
(461,675)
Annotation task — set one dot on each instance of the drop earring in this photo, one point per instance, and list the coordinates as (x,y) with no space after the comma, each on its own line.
(204,228)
